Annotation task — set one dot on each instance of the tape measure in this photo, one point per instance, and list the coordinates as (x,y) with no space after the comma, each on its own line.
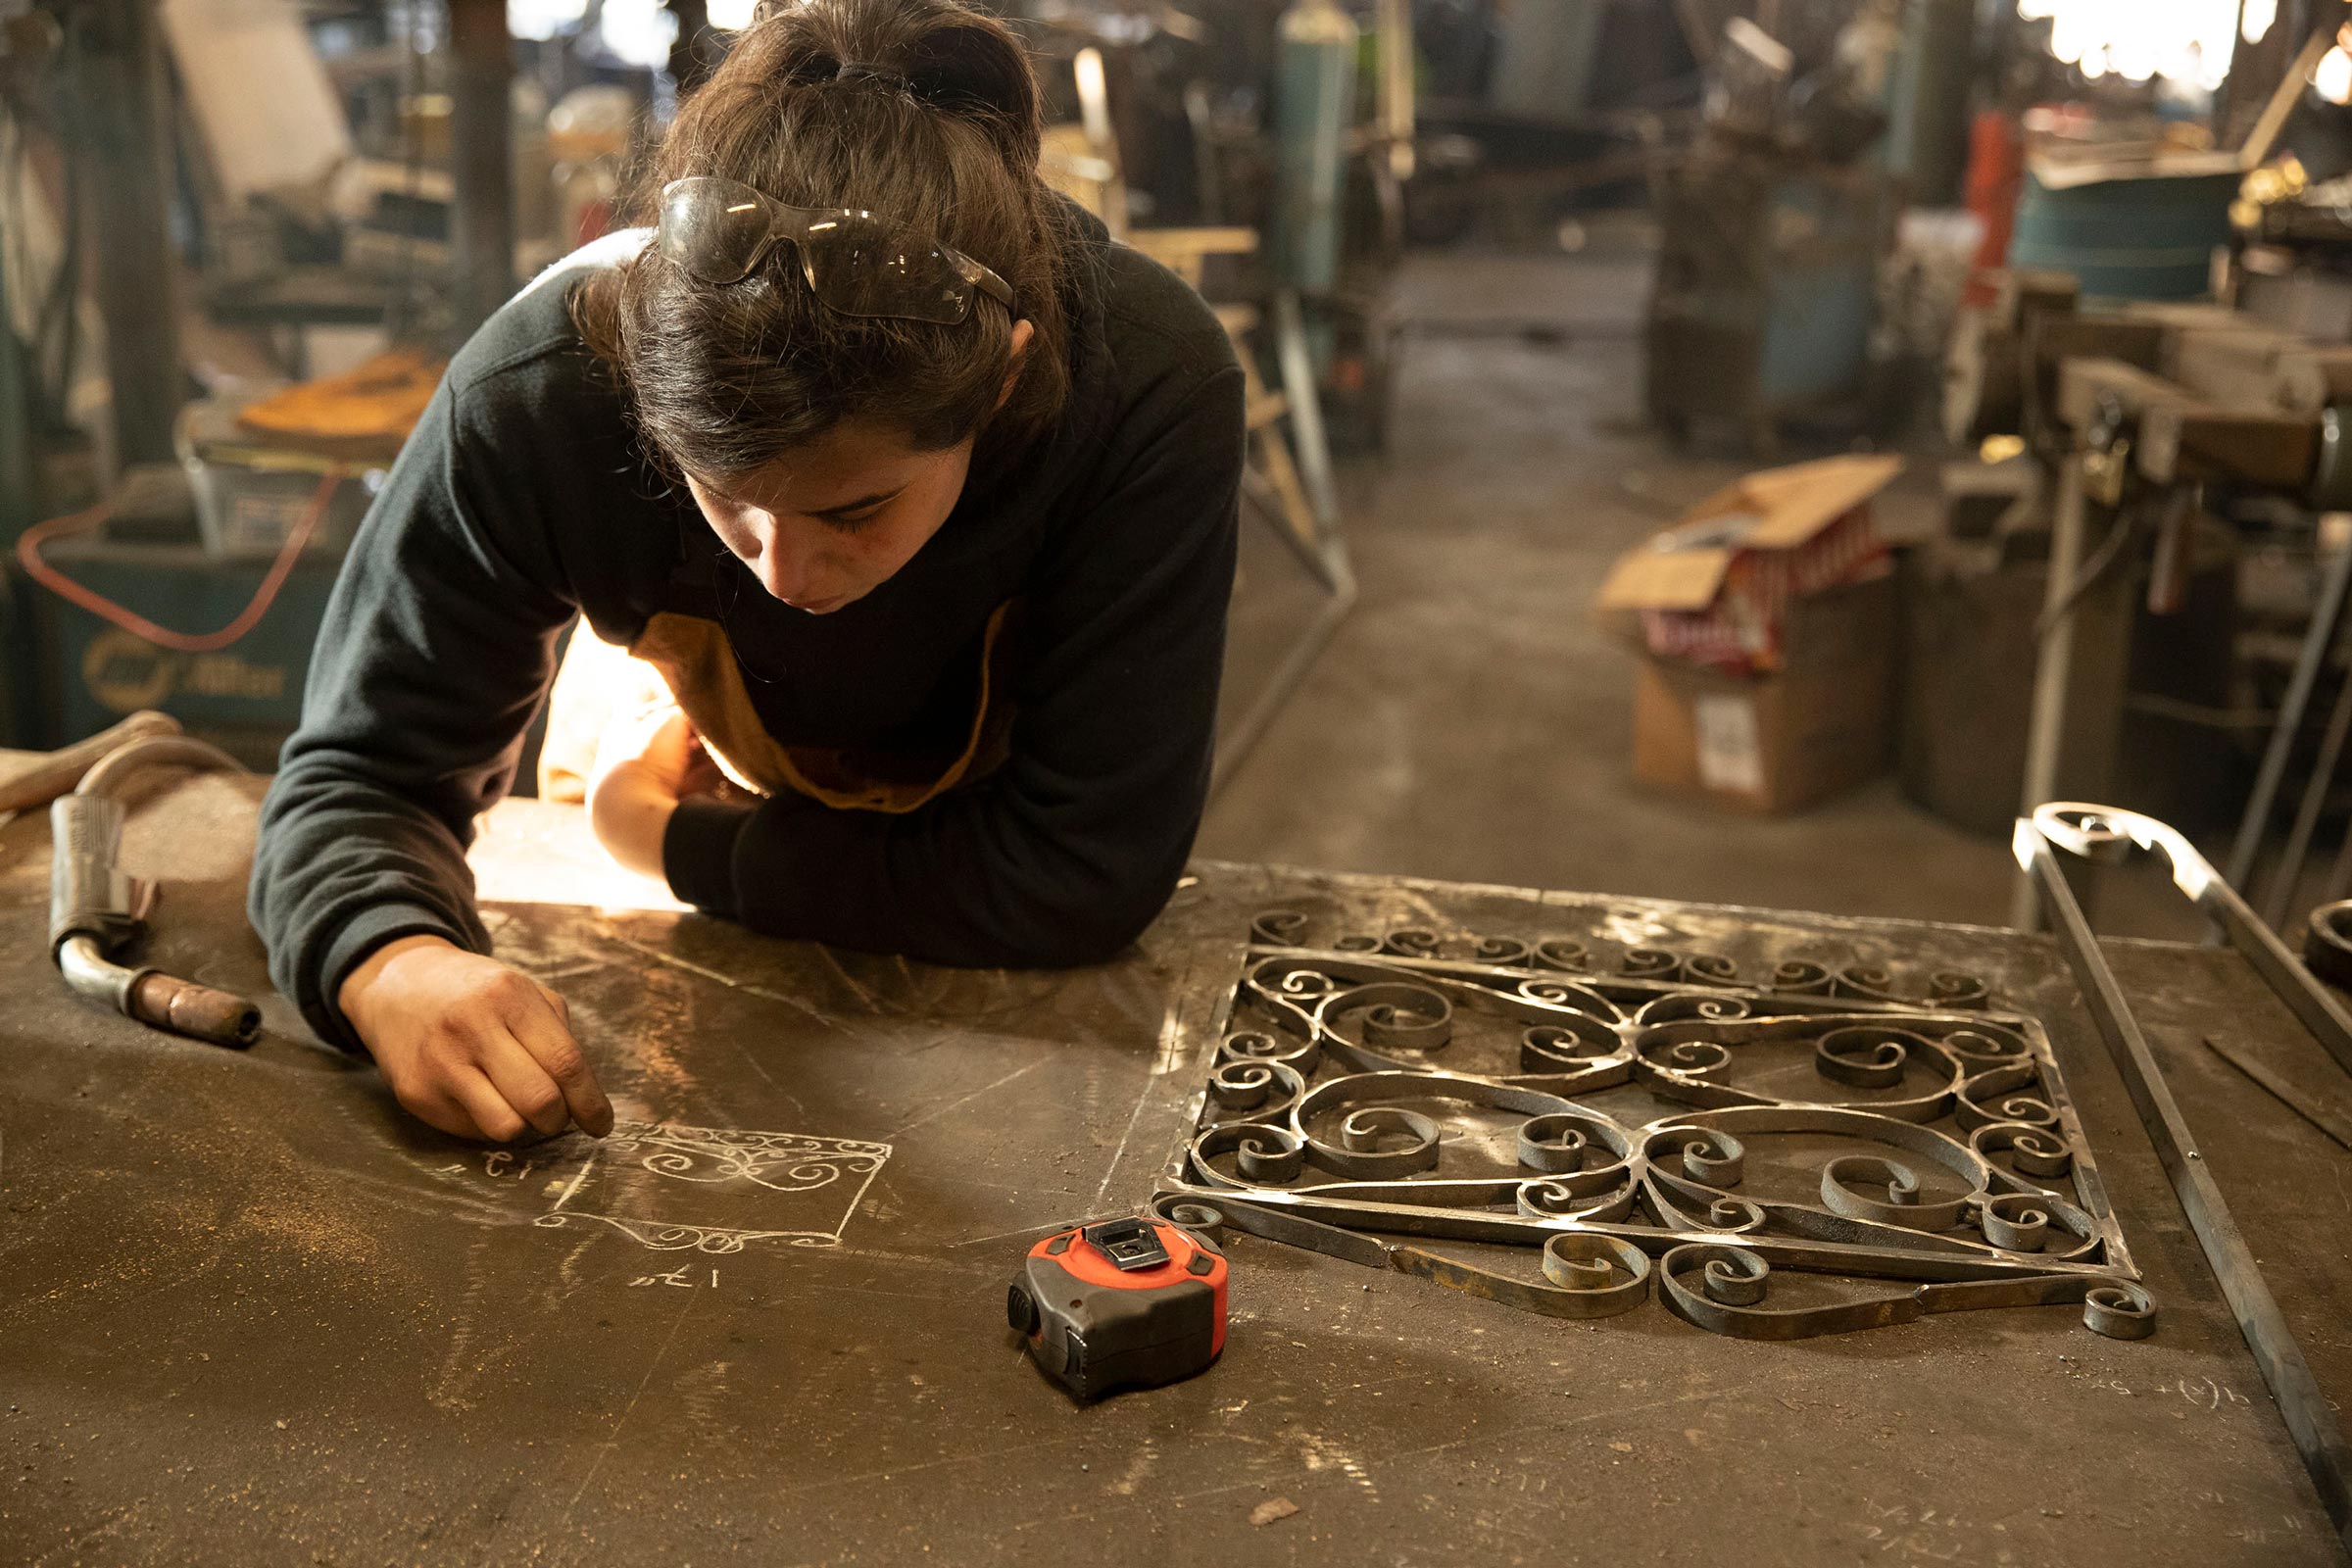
(1120,1303)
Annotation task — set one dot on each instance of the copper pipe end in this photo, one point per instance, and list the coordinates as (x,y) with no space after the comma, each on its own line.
(184,1008)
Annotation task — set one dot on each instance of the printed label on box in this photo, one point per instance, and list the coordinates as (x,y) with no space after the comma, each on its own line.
(1731,757)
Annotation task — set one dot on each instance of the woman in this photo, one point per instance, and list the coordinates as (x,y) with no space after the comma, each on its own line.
(919,494)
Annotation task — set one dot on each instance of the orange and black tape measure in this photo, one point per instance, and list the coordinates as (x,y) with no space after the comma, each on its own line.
(1120,1303)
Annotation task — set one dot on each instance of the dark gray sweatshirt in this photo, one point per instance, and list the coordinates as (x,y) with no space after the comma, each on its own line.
(522,501)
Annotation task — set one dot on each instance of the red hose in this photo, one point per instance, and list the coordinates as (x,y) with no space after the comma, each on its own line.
(29,553)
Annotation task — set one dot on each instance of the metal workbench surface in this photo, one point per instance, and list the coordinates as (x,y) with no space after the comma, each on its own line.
(250,1312)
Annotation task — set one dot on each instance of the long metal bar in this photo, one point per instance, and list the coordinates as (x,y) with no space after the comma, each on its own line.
(2326,617)
(1328,560)
(2304,1408)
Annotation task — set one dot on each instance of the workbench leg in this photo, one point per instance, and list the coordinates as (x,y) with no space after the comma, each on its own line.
(2079,680)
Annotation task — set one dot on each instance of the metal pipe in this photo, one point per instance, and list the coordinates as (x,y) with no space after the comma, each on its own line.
(95,907)
(90,974)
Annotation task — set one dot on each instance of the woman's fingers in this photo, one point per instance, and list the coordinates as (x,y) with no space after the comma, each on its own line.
(525,1086)
(493,1117)
(539,1024)
(440,1112)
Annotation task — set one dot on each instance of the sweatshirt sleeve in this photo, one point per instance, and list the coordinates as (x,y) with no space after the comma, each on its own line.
(437,648)
(1067,852)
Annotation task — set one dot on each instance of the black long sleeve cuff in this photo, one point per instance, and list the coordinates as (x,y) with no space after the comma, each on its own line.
(698,852)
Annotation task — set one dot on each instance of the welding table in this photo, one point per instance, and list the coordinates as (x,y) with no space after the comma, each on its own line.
(250,1312)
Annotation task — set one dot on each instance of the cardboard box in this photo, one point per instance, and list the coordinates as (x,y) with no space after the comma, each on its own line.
(1822,723)
(1717,587)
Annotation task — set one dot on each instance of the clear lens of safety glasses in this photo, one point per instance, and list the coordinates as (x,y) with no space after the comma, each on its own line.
(861,265)
(715,229)
(854,262)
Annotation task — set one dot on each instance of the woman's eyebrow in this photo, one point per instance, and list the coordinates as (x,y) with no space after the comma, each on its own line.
(860,504)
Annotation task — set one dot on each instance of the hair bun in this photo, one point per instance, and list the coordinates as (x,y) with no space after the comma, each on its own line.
(949,56)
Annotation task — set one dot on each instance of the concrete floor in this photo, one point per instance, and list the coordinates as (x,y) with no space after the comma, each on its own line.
(1472,720)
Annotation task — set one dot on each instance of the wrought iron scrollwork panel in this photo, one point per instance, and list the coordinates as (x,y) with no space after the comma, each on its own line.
(1652,1121)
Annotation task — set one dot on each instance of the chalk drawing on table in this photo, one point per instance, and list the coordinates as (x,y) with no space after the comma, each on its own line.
(710,1189)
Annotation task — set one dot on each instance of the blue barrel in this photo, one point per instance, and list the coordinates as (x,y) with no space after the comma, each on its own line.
(2137,238)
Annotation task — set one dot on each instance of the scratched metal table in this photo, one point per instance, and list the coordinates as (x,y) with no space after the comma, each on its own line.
(248,1312)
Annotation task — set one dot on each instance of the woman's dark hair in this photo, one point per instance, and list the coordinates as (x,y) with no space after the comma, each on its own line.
(921,110)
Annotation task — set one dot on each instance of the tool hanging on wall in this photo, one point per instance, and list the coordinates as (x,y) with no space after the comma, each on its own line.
(1120,1303)
(97,911)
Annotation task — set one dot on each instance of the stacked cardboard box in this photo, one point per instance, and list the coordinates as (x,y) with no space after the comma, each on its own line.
(1766,624)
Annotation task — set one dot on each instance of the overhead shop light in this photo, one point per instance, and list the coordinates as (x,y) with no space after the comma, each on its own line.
(2183,41)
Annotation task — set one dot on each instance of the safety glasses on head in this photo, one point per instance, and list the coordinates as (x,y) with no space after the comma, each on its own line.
(855,261)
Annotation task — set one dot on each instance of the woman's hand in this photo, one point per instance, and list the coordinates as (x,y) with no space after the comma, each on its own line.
(469,1046)
(641,771)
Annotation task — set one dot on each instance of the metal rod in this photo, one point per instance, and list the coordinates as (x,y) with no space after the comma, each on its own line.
(1328,560)
(2286,1094)
(1291,673)
(2339,875)
(1305,399)
(2326,616)
(2288,869)
(2309,1418)
(2079,673)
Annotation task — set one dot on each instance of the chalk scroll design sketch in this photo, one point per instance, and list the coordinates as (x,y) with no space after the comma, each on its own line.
(1650,1123)
(717,1188)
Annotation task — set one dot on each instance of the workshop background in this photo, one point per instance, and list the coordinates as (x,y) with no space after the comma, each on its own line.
(1526,287)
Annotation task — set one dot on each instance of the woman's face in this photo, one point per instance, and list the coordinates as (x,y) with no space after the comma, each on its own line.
(835,519)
